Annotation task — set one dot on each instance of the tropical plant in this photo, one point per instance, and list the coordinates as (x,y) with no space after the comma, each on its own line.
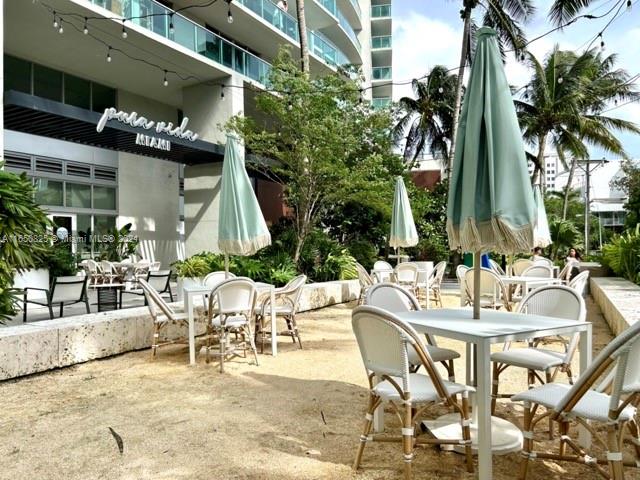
(506,17)
(427,123)
(336,266)
(563,102)
(564,235)
(193,267)
(120,244)
(364,252)
(325,146)
(622,255)
(629,183)
(23,234)
(59,260)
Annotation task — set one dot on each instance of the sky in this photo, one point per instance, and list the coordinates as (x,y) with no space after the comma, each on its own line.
(428,33)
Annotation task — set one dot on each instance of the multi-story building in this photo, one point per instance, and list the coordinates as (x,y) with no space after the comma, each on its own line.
(553,167)
(185,67)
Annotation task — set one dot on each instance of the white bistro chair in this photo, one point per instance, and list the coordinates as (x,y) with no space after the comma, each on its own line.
(465,297)
(493,293)
(609,399)
(212,280)
(579,282)
(495,266)
(365,281)
(385,342)
(382,272)
(395,299)
(435,282)
(520,266)
(551,301)
(231,307)
(406,275)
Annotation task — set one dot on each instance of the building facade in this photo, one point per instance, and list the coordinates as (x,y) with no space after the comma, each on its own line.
(115,108)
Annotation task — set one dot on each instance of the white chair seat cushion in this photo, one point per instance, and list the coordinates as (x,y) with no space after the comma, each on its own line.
(592,406)
(232,321)
(422,389)
(530,358)
(437,354)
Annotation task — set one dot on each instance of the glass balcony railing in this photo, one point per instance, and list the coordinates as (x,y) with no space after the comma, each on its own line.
(380,11)
(280,19)
(322,47)
(380,102)
(381,73)
(383,41)
(344,23)
(190,35)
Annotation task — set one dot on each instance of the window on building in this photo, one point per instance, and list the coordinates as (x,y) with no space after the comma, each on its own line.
(77,92)
(104,198)
(49,192)
(47,83)
(102,97)
(78,195)
(17,74)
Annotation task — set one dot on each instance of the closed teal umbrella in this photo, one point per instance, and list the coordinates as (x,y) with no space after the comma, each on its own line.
(490,205)
(542,235)
(241,228)
(403,229)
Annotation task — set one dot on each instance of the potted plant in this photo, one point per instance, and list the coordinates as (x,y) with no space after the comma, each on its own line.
(190,272)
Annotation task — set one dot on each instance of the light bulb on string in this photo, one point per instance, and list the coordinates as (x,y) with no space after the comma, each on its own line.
(440,90)
(222,91)
(85,30)
(629,5)
(601,42)
(124,30)
(229,14)
(165,82)
(55,20)
(109,55)
(560,79)
(61,30)
(171,29)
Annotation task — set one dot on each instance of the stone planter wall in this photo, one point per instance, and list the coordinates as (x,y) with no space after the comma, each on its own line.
(618,299)
(40,346)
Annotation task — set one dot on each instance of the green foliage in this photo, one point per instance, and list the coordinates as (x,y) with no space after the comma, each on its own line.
(325,148)
(564,235)
(23,234)
(193,267)
(365,252)
(622,255)
(59,260)
(336,266)
(121,244)
(629,183)
(430,215)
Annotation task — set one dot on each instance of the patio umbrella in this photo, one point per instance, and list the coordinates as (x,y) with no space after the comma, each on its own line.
(541,236)
(241,228)
(490,204)
(403,229)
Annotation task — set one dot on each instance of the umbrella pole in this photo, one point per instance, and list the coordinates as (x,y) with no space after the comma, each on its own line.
(477,265)
(226,265)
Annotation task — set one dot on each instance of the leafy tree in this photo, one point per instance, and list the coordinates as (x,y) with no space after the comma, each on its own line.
(427,122)
(622,255)
(629,183)
(23,234)
(505,16)
(563,105)
(324,145)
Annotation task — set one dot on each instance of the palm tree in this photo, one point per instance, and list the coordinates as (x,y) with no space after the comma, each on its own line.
(563,105)
(302,32)
(428,118)
(505,17)
(563,11)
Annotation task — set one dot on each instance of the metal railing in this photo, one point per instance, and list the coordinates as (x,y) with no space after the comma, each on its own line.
(382,41)
(277,17)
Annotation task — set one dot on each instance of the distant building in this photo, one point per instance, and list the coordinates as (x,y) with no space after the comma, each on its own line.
(552,168)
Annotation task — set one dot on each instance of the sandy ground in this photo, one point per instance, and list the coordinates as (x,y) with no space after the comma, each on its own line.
(258,422)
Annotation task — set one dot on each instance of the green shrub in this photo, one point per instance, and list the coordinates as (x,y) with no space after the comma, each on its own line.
(59,260)
(192,267)
(622,255)
(365,253)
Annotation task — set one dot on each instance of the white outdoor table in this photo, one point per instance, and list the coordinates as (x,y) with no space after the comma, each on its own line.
(192,291)
(528,283)
(493,327)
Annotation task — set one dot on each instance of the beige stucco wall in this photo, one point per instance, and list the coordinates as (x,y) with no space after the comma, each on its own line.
(201,203)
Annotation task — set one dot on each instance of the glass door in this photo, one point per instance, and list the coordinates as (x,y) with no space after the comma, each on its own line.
(65,228)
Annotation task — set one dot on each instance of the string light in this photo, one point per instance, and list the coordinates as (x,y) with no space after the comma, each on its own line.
(440,90)
(171,29)
(109,55)
(628,5)
(124,30)
(165,82)
(221,91)
(85,30)
(560,79)
(601,41)
(61,30)
(229,14)
(55,20)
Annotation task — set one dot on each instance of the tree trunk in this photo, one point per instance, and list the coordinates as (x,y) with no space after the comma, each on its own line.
(302,31)
(540,165)
(463,62)
(567,190)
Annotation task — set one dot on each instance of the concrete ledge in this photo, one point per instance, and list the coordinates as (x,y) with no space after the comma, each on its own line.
(40,346)
(618,299)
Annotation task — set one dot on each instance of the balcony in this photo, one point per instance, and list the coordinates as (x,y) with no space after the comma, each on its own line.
(380,42)
(322,47)
(380,102)
(190,35)
(381,11)
(328,17)
(381,73)
(278,18)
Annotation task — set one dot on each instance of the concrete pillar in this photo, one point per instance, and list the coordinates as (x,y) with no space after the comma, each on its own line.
(208,112)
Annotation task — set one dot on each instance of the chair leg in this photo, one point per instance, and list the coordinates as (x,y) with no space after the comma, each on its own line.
(494,387)
(24,309)
(253,344)
(364,438)
(295,330)
(170,293)
(466,431)
(50,311)
(61,309)
(548,379)
(156,339)
(407,438)
(527,446)
(450,371)
(614,452)
(290,329)
(86,303)
(223,348)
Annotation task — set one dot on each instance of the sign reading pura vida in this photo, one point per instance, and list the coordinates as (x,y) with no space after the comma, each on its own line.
(136,121)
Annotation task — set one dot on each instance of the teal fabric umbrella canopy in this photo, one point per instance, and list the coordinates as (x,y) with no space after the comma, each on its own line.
(542,235)
(241,228)
(403,229)
(490,205)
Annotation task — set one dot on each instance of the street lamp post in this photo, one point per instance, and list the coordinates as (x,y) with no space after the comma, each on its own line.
(587,169)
